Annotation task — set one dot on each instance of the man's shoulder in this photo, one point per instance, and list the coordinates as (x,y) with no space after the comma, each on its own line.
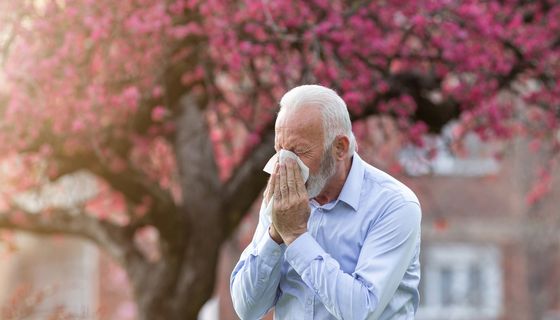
(385,187)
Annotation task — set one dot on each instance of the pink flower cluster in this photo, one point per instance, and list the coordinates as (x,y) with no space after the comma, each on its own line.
(80,75)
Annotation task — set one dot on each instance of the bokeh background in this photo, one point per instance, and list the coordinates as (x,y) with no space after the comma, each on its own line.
(133,135)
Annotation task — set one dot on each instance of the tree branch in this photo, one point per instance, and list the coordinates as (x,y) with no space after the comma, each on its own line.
(247,181)
(113,239)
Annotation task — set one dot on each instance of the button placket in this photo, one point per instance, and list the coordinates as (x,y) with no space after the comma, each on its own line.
(311,225)
(309,307)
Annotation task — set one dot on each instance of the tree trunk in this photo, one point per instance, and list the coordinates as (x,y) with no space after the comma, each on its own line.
(178,285)
(167,291)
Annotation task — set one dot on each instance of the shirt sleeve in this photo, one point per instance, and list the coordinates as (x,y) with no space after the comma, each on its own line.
(254,280)
(386,254)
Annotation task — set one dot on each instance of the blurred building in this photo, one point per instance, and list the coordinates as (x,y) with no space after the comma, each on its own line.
(49,278)
(490,248)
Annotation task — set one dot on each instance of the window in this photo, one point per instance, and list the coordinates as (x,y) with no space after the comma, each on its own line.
(461,281)
(477,161)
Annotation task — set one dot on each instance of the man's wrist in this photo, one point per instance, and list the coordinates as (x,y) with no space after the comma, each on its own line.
(274,235)
(291,238)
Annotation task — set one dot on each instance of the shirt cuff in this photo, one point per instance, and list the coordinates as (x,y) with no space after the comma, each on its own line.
(269,251)
(302,251)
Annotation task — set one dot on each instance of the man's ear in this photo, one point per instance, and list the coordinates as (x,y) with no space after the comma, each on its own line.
(341,147)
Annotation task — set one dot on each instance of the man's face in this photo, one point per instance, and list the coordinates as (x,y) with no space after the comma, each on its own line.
(301,132)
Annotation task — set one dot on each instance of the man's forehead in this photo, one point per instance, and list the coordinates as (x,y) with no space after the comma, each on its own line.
(301,117)
(297,135)
(299,127)
(292,137)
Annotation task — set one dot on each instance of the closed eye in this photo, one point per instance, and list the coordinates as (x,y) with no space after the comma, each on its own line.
(302,153)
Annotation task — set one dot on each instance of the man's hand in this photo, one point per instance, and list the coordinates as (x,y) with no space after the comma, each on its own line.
(268,192)
(290,211)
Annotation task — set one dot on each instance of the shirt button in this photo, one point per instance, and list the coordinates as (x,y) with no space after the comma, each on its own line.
(309,302)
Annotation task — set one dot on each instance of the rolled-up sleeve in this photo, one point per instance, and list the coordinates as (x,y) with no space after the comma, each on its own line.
(386,253)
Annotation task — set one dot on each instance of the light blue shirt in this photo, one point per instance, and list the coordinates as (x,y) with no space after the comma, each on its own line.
(359,258)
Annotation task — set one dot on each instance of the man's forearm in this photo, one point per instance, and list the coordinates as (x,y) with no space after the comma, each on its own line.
(344,296)
(363,293)
(255,279)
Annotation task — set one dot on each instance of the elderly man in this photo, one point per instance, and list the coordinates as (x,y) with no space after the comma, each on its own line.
(343,245)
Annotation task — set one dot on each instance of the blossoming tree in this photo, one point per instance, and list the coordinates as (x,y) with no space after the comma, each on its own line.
(170,105)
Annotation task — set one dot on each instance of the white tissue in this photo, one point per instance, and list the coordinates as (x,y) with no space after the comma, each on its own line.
(282,155)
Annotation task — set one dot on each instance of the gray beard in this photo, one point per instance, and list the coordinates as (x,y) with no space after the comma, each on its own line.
(316,183)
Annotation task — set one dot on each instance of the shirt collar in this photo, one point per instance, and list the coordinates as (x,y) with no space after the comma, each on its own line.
(352,188)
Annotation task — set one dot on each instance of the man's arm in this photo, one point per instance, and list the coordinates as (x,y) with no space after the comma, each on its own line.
(384,258)
(254,280)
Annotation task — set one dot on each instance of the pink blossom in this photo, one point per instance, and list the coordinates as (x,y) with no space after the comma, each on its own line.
(77,126)
(157,91)
(158,113)
(84,73)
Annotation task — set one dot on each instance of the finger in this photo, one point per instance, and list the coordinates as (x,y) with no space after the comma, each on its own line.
(290,177)
(300,184)
(284,181)
(269,188)
(276,174)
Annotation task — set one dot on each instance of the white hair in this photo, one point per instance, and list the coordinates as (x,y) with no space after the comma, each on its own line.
(336,119)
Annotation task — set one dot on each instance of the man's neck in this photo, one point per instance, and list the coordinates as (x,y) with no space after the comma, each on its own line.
(335,183)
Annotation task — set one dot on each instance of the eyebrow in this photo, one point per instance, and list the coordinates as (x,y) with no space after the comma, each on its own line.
(299,145)
(302,149)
